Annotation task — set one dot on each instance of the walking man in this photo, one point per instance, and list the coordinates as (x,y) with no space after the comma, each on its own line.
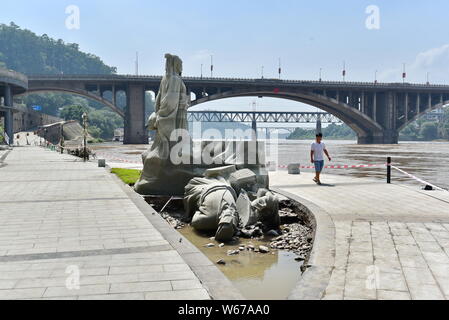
(317,156)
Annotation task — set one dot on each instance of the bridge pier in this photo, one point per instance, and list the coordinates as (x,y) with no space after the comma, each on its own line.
(9,118)
(135,128)
(386,137)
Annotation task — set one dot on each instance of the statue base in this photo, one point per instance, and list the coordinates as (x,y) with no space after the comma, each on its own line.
(167,179)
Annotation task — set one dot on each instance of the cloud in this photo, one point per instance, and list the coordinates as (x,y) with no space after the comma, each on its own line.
(435,61)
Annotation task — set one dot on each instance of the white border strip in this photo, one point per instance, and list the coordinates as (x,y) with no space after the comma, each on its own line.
(419,180)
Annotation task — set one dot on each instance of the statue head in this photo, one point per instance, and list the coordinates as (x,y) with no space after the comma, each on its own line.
(173,64)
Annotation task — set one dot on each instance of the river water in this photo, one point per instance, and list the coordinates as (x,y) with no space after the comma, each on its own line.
(426,160)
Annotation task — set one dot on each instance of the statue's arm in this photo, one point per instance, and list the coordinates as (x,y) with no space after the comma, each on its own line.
(184,98)
(157,105)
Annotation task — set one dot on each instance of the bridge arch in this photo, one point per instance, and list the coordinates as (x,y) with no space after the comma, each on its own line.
(423,112)
(78,92)
(365,127)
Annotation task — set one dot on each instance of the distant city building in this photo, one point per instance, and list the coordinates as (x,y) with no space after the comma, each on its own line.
(434,115)
(119,134)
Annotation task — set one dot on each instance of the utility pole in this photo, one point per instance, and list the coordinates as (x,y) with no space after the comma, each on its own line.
(428,78)
(201,71)
(211,66)
(320,78)
(375,77)
(344,71)
(280,69)
(262,71)
(137,63)
(404,74)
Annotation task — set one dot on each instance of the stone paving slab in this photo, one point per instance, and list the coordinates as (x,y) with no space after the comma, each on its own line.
(391,241)
(61,218)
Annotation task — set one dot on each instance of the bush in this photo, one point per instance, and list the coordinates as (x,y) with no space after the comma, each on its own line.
(429,131)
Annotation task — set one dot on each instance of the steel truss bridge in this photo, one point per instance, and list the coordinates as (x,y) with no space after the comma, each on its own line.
(262,117)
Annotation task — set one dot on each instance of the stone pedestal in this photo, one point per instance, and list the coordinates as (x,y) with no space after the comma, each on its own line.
(164,178)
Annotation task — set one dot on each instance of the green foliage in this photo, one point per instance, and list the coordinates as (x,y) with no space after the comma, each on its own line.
(74,112)
(128,176)
(333,131)
(422,130)
(24,51)
(429,131)
(1,131)
(101,123)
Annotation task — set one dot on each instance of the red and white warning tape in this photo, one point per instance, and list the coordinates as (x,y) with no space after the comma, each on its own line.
(341,166)
(419,179)
(113,158)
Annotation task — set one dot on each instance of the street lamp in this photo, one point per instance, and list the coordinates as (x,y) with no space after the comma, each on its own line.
(84,117)
(61,140)
(211,66)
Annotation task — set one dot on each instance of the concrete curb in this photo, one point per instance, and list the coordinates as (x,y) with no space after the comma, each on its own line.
(214,281)
(315,280)
(3,157)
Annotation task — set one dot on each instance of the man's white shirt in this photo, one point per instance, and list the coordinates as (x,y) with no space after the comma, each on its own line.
(318,151)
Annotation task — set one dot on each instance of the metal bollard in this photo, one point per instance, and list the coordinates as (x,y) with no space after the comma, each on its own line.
(389,170)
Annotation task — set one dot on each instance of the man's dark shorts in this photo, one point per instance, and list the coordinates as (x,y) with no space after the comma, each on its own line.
(319,166)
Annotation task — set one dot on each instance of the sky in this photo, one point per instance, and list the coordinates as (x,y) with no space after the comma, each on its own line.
(244,35)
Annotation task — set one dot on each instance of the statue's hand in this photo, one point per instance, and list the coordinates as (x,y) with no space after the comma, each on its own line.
(152,122)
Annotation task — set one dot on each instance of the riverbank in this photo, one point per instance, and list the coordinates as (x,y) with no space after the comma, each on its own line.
(62,219)
(374,241)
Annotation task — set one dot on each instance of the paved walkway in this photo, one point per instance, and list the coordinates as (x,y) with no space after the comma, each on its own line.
(62,220)
(391,241)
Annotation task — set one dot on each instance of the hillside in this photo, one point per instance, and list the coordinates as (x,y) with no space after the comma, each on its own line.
(24,51)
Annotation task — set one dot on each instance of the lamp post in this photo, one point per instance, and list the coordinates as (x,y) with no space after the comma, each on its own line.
(211,66)
(84,136)
(280,69)
(61,141)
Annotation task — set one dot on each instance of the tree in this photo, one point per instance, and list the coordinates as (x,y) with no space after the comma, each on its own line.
(429,131)
(74,113)
(26,52)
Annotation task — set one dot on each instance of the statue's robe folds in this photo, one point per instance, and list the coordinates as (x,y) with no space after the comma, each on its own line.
(170,115)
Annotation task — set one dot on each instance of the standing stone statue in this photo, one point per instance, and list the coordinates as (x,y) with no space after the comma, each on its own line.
(170,114)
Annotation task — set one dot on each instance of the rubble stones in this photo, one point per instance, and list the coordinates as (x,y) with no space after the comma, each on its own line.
(233,252)
(296,238)
(263,249)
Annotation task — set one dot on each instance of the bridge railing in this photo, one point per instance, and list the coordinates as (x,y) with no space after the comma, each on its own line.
(224,79)
(5,73)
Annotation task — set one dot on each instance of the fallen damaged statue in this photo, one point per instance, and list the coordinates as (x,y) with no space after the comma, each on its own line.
(229,202)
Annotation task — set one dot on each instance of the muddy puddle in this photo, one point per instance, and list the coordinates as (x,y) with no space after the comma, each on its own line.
(258,276)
